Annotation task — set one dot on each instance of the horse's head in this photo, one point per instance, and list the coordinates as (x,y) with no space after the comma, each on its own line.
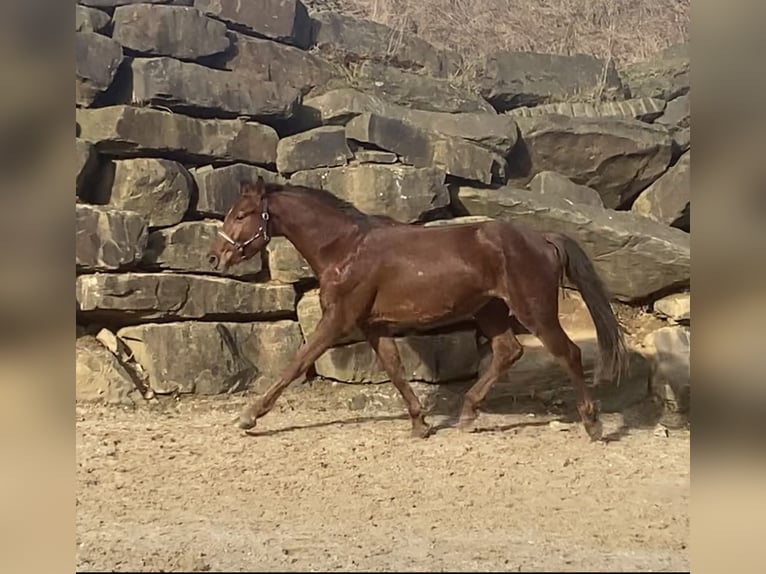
(245,230)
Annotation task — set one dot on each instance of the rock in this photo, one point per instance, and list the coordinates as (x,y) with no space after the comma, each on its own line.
(99,376)
(86,168)
(402,192)
(512,79)
(177,31)
(90,20)
(374,156)
(431,358)
(157,189)
(416,91)
(108,238)
(197,90)
(635,256)
(310,312)
(463,220)
(286,264)
(283,20)
(666,76)
(320,147)
(551,183)
(668,199)
(128,131)
(616,157)
(677,113)
(114,3)
(97,58)
(218,188)
(681,141)
(422,148)
(214,356)
(669,350)
(135,297)
(644,109)
(282,64)
(498,132)
(675,307)
(348,39)
(184,247)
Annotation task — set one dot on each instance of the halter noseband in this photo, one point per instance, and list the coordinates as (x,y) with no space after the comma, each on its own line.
(263,230)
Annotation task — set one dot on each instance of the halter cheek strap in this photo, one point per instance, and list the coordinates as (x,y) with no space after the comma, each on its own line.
(263,231)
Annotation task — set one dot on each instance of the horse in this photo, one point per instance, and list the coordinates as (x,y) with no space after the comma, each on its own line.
(379,275)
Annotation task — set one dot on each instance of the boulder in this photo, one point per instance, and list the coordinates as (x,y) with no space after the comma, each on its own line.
(196,90)
(423,148)
(551,183)
(374,156)
(218,188)
(115,3)
(498,132)
(348,39)
(677,113)
(616,157)
(644,109)
(177,31)
(669,349)
(136,297)
(100,377)
(677,307)
(635,256)
(184,247)
(157,189)
(402,192)
(96,61)
(90,20)
(283,20)
(668,199)
(86,168)
(309,314)
(107,238)
(214,357)
(282,64)
(127,131)
(513,79)
(666,76)
(431,358)
(416,91)
(286,264)
(321,147)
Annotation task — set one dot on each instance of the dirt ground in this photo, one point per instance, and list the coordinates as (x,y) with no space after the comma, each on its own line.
(181,488)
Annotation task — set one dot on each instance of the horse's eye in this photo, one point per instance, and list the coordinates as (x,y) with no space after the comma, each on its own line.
(239,216)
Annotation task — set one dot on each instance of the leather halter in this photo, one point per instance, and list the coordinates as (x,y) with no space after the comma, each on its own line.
(263,231)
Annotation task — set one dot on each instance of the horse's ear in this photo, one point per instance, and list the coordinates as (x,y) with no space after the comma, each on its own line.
(257,188)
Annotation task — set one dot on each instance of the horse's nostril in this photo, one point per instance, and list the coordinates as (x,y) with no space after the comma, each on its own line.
(213,260)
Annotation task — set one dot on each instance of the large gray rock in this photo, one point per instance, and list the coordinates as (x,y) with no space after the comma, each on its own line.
(137,297)
(431,358)
(669,349)
(128,131)
(644,109)
(374,156)
(668,200)
(178,31)
(86,168)
(677,113)
(492,130)
(218,188)
(417,91)
(635,256)
(285,65)
(90,20)
(320,147)
(286,264)
(423,148)
(552,183)
(666,76)
(100,377)
(348,39)
(402,192)
(198,90)
(284,20)
(96,61)
(616,157)
(108,238)
(677,307)
(209,357)
(512,79)
(184,247)
(157,189)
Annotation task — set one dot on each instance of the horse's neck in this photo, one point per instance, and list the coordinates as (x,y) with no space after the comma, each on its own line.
(319,232)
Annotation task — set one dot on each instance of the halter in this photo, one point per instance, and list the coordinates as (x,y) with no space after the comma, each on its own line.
(263,230)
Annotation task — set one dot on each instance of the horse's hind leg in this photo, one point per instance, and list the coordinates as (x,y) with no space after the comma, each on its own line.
(385,348)
(495,322)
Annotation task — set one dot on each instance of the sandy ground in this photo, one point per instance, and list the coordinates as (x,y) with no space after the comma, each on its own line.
(181,488)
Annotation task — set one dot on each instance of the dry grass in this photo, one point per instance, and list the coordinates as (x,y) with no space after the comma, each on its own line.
(625,30)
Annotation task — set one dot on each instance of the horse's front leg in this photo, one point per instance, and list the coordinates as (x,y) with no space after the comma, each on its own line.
(329,329)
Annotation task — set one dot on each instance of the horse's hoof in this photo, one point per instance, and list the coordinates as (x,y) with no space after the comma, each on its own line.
(421,431)
(246,422)
(467,425)
(595,430)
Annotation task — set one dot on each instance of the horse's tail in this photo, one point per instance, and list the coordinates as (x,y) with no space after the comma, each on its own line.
(580,271)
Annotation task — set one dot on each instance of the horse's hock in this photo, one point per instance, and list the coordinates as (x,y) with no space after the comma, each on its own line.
(177,104)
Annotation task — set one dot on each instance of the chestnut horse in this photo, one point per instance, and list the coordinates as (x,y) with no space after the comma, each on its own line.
(379,275)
